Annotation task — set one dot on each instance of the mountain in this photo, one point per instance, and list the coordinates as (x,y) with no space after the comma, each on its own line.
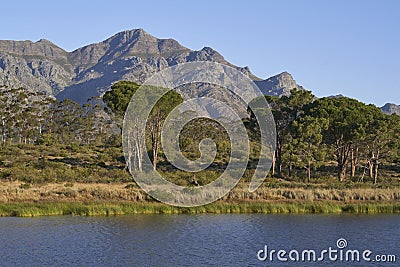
(336,96)
(390,108)
(91,70)
(278,85)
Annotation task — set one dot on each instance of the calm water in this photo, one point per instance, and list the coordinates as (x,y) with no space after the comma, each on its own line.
(189,240)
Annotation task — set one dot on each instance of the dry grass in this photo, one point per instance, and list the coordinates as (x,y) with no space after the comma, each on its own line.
(318,194)
(16,192)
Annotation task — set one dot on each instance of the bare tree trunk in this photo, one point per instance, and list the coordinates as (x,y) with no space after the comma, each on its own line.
(155,132)
(129,156)
(371,165)
(273,163)
(341,172)
(342,157)
(139,156)
(370,168)
(354,159)
(279,159)
(309,172)
(155,154)
(375,165)
(290,164)
(135,144)
(3,133)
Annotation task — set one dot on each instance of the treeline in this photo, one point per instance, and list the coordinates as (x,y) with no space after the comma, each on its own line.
(34,117)
(312,133)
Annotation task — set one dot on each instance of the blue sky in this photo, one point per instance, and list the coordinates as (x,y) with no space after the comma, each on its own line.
(330,47)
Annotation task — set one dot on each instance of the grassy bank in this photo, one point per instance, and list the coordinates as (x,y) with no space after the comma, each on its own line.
(20,199)
(120,208)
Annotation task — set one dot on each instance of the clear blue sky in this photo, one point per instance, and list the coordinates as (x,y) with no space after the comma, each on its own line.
(330,47)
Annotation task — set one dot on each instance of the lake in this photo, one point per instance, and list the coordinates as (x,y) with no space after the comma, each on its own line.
(193,240)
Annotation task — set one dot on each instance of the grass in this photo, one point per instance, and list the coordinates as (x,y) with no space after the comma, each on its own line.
(84,199)
(120,208)
(17,191)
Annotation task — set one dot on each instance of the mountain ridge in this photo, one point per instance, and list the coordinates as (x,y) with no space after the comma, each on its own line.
(90,70)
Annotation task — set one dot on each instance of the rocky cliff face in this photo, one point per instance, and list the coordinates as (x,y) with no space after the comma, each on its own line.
(278,85)
(390,109)
(89,71)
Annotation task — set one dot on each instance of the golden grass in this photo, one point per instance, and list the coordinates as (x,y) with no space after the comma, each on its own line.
(14,192)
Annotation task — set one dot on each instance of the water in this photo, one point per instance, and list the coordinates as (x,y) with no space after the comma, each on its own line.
(189,240)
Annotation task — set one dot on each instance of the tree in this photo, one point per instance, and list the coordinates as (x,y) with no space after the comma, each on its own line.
(22,114)
(346,122)
(157,117)
(285,111)
(382,137)
(307,138)
(96,124)
(67,121)
(118,98)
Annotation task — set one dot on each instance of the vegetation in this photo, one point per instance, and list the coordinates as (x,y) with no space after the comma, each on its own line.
(34,118)
(64,158)
(123,208)
(313,133)
(118,99)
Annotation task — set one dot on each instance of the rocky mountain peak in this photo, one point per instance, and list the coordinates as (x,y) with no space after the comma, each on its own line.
(140,43)
(130,36)
(205,54)
(390,108)
(278,85)
(209,50)
(336,96)
(45,41)
(124,44)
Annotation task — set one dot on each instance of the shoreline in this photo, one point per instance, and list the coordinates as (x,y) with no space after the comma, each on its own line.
(103,208)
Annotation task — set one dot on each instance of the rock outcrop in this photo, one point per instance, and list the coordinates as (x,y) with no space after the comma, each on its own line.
(390,108)
(278,85)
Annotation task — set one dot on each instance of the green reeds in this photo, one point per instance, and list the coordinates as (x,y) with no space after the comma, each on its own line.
(119,208)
